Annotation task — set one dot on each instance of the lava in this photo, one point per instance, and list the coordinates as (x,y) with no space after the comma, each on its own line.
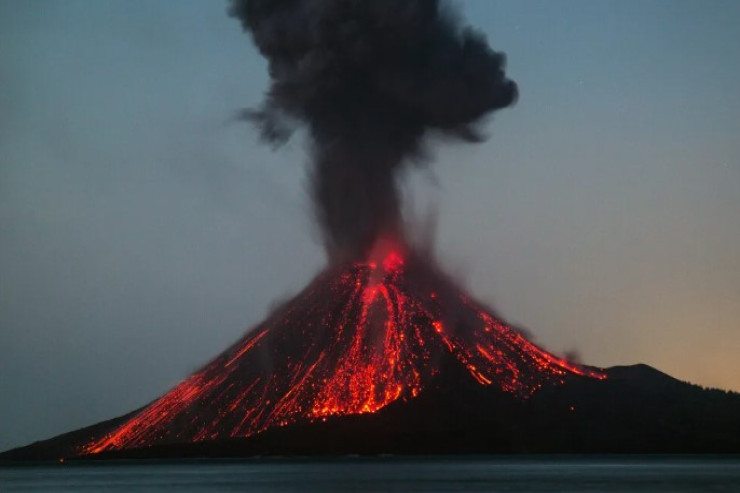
(355,340)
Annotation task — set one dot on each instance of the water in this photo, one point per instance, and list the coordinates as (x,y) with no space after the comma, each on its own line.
(634,473)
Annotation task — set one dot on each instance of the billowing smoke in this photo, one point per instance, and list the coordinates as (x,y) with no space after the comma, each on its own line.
(370,79)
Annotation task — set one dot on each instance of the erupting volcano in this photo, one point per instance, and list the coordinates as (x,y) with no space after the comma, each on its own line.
(382,352)
(358,338)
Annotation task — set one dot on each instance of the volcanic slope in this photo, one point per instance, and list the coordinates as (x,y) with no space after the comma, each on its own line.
(355,340)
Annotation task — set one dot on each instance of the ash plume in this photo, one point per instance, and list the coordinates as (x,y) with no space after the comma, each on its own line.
(370,80)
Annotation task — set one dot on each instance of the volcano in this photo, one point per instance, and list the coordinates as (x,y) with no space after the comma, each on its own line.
(390,355)
(357,339)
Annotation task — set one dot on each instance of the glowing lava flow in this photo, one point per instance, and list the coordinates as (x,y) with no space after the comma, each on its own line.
(354,341)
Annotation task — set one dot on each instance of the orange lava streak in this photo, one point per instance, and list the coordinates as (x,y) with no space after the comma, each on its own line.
(247,347)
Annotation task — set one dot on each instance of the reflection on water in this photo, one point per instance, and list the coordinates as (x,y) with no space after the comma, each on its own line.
(616,473)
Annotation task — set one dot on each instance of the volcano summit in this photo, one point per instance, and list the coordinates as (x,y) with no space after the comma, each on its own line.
(382,352)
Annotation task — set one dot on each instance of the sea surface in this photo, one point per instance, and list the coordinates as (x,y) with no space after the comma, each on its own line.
(559,473)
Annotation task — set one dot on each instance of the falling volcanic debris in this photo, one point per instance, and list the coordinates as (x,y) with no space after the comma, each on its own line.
(370,80)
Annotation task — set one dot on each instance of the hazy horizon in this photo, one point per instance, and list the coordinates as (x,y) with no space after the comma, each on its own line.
(142,231)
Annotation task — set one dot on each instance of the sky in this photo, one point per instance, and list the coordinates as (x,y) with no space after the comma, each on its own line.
(142,230)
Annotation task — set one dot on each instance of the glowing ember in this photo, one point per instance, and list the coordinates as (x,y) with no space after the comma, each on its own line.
(354,341)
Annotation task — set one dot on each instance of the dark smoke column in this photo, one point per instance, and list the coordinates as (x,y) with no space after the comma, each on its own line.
(369,79)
